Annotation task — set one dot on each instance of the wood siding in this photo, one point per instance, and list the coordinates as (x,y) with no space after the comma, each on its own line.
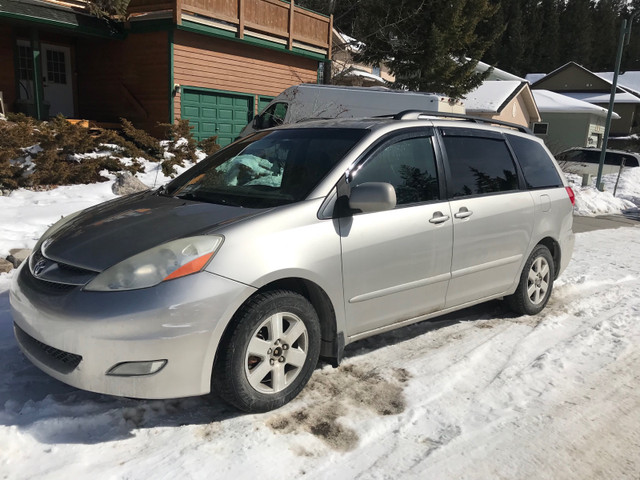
(218,64)
(271,17)
(7,71)
(127,79)
(573,79)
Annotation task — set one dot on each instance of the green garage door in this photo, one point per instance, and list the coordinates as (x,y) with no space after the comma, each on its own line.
(263,102)
(212,113)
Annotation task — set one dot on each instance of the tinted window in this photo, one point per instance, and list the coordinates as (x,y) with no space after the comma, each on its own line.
(267,169)
(538,169)
(593,157)
(274,115)
(479,165)
(409,165)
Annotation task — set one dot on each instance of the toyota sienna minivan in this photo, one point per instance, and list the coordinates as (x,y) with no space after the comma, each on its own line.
(288,245)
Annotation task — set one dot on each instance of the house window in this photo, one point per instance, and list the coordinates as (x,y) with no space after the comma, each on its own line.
(540,128)
(56,71)
(25,63)
(376,70)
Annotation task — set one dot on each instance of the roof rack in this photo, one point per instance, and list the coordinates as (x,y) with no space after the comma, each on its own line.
(417,114)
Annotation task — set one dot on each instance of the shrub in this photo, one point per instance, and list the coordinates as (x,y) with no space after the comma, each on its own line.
(56,157)
(209,145)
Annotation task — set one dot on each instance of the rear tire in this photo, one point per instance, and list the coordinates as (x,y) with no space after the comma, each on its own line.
(269,353)
(536,283)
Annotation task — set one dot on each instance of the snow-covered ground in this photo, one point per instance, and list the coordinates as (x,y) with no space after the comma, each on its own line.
(479,394)
(591,202)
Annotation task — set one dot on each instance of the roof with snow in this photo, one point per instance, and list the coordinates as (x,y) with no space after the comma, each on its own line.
(628,80)
(551,102)
(492,96)
(534,77)
(596,97)
(496,73)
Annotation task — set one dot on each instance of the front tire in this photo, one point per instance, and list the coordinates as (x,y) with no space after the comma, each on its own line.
(536,283)
(269,352)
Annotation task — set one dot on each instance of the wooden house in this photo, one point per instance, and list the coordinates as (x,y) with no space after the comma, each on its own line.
(214,62)
(504,100)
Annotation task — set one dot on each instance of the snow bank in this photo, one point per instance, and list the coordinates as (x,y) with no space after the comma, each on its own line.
(591,202)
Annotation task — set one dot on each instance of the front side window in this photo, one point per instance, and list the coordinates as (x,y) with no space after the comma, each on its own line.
(409,165)
(267,169)
(479,166)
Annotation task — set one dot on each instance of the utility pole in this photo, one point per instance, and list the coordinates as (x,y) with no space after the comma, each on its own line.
(625,35)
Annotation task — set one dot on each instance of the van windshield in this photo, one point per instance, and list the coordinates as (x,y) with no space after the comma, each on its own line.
(267,169)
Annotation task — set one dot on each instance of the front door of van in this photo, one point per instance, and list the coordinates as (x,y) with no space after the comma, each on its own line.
(396,263)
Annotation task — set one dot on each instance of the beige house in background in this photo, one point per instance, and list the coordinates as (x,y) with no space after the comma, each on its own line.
(504,100)
(567,122)
(577,82)
(345,71)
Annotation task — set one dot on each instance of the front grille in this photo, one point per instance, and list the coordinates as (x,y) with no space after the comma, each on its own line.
(43,286)
(59,360)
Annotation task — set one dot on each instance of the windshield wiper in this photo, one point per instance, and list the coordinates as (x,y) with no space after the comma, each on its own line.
(208,198)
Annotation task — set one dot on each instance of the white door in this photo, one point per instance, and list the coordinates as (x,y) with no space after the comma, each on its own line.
(56,75)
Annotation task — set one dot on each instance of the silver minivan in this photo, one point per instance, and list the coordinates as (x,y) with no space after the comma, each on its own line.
(285,247)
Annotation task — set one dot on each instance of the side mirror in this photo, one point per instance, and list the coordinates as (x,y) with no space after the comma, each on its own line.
(257,122)
(372,197)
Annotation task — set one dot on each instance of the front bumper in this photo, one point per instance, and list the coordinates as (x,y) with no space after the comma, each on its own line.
(77,336)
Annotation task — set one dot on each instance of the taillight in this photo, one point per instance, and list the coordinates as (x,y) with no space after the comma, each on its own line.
(572,196)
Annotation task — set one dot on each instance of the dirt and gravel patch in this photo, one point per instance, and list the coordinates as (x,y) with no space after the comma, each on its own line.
(334,394)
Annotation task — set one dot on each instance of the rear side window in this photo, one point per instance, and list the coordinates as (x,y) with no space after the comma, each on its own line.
(538,169)
(479,165)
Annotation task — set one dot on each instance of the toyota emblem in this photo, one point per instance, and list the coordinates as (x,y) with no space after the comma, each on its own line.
(39,267)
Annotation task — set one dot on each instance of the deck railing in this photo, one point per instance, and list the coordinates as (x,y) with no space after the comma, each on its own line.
(276,18)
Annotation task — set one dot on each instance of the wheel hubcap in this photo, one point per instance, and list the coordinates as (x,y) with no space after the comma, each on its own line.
(276,353)
(538,281)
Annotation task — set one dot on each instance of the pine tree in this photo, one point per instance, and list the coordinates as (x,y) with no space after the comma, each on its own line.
(109,8)
(576,34)
(429,46)
(546,51)
(513,40)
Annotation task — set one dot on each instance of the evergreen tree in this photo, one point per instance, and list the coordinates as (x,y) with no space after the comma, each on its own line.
(606,18)
(109,8)
(428,46)
(513,43)
(576,34)
(546,46)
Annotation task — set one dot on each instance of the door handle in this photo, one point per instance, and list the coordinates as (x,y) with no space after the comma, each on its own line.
(438,217)
(463,213)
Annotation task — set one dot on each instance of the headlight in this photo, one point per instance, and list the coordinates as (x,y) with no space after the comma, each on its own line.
(165,262)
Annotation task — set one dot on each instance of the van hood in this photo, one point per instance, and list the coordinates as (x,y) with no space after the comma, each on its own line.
(106,234)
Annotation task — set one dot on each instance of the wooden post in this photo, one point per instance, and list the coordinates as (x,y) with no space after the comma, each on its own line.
(328,64)
(330,42)
(177,13)
(240,18)
(291,12)
(38,89)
